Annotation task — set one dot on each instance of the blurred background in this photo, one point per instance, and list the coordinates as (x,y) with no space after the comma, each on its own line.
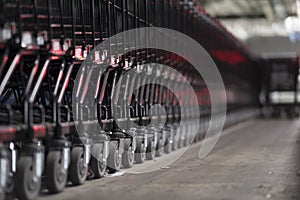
(264,25)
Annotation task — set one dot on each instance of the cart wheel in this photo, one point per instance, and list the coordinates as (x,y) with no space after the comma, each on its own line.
(97,165)
(10,183)
(175,143)
(159,148)
(140,153)
(78,171)
(128,156)
(180,141)
(150,153)
(195,139)
(114,159)
(187,139)
(27,185)
(56,175)
(168,146)
(2,194)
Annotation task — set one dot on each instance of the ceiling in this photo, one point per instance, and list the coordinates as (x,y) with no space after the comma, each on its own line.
(253,19)
(267,9)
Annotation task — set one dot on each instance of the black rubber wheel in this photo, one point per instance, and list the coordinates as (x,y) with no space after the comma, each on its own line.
(27,186)
(150,152)
(2,194)
(195,139)
(97,165)
(186,140)
(114,161)
(182,139)
(10,183)
(56,175)
(140,153)
(175,143)
(159,148)
(168,146)
(128,156)
(78,171)
(199,137)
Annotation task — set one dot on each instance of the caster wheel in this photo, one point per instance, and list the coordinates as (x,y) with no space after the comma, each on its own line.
(186,141)
(199,137)
(150,153)
(78,170)
(2,194)
(10,183)
(128,156)
(159,148)
(140,153)
(168,146)
(114,159)
(196,138)
(27,185)
(10,187)
(175,143)
(180,142)
(97,165)
(56,176)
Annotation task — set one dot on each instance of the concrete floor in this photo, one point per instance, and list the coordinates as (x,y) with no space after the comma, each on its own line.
(254,160)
